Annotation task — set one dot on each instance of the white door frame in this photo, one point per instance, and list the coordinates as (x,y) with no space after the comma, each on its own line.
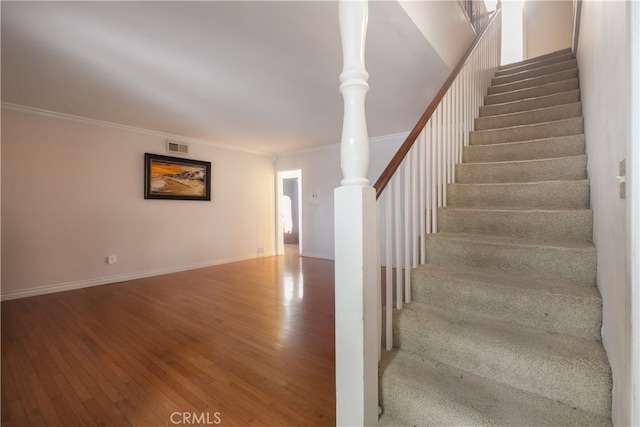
(282,175)
(633,207)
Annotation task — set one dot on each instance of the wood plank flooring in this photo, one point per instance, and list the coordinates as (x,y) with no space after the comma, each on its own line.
(249,343)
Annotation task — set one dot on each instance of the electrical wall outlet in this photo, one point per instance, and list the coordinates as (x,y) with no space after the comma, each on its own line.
(111,259)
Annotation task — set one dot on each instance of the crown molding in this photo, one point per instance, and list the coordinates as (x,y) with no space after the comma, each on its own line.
(81,119)
(113,125)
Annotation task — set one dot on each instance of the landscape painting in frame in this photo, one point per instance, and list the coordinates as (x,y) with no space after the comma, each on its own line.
(175,178)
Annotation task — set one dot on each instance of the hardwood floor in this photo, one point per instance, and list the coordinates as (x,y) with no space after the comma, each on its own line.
(244,344)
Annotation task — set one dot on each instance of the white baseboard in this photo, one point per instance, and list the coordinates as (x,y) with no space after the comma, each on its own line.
(317,255)
(61,287)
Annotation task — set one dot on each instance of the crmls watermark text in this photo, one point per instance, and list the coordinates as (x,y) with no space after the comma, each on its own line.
(202,418)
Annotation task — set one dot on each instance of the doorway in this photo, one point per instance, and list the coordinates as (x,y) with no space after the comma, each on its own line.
(512,31)
(289,229)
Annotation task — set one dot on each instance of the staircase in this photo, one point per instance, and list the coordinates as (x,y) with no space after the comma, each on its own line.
(504,327)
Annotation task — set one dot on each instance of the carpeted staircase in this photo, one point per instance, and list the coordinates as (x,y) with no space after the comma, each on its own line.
(505,324)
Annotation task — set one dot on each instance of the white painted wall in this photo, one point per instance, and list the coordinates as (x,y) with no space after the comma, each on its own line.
(444,24)
(73,194)
(603,52)
(321,174)
(511,48)
(547,26)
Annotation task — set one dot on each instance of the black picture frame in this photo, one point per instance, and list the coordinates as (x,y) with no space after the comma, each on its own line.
(175,178)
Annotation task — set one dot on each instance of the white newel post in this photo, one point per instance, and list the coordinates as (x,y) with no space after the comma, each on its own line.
(355,238)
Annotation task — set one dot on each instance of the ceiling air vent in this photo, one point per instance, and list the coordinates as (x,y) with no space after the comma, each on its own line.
(177,147)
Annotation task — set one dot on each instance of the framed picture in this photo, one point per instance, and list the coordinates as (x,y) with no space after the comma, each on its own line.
(175,178)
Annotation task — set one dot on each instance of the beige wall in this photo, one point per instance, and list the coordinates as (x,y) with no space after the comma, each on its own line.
(444,24)
(547,26)
(72,193)
(603,52)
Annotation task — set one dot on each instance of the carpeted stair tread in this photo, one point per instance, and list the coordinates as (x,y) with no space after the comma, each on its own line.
(535,72)
(554,169)
(564,127)
(387,420)
(535,224)
(540,58)
(534,92)
(521,195)
(529,117)
(549,305)
(563,146)
(573,262)
(533,63)
(435,394)
(533,81)
(558,98)
(571,370)
(501,240)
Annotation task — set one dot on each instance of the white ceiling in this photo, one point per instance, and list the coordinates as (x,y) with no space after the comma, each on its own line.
(253,75)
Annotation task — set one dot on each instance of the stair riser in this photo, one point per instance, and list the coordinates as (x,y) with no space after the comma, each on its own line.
(575,265)
(412,410)
(554,313)
(534,81)
(565,127)
(531,150)
(543,62)
(537,225)
(553,100)
(546,56)
(424,392)
(549,114)
(429,338)
(386,420)
(408,402)
(542,71)
(544,195)
(559,169)
(517,95)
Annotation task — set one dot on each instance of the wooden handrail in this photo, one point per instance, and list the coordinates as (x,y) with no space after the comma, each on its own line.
(395,162)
